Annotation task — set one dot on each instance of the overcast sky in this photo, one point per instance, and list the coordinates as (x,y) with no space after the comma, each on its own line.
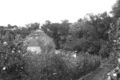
(21,12)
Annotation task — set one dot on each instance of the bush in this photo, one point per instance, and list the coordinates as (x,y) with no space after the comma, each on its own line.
(84,65)
(44,67)
(12,64)
(59,67)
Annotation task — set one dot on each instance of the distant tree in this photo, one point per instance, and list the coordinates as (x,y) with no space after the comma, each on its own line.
(57,31)
(33,26)
(77,38)
(23,31)
(79,20)
(12,27)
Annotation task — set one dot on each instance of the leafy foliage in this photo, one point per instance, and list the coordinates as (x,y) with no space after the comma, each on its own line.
(12,65)
(116,9)
(59,67)
(90,34)
(57,31)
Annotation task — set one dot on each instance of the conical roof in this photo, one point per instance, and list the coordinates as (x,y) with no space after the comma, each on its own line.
(39,40)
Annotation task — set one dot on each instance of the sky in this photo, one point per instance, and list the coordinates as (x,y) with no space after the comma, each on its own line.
(21,12)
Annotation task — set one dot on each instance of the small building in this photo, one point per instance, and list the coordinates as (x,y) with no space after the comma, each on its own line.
(34,49)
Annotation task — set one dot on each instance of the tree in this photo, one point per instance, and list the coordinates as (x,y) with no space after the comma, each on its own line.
(57,31)
(12,64)
(116,9)
(12,27)
(33,26)
(89,34)
(101,25)
(77,38)
(64,31)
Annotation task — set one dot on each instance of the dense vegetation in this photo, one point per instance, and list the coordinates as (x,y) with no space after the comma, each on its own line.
(91,39)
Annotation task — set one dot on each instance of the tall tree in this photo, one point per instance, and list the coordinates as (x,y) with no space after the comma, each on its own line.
(116,9)
(57,31)
(89,34)
(101,24)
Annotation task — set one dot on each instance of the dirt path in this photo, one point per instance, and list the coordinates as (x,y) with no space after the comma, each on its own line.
(97,74)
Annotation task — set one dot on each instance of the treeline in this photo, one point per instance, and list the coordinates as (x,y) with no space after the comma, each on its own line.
(86,35)
(89,34)
(23,31)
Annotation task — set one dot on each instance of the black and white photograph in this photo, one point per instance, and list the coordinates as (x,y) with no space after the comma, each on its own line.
(59,39)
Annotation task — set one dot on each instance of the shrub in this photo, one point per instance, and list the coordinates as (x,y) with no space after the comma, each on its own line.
(83,65)
(59,67)
(12,64)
